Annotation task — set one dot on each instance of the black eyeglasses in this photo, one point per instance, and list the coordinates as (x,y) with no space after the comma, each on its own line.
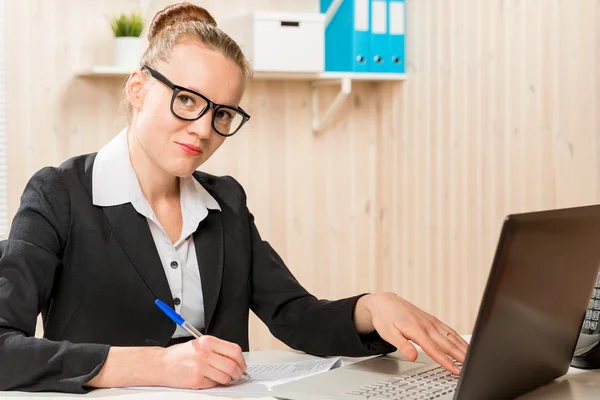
(188,105)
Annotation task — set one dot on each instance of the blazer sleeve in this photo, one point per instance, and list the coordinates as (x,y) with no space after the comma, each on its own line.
(299,319)
(29,261)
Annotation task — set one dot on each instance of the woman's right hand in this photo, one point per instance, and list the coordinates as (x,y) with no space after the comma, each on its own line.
(202,363)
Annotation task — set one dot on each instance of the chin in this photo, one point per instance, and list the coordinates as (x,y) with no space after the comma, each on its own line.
(182,167)
(183,172)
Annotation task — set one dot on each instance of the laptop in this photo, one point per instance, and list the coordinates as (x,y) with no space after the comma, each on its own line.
(529,319)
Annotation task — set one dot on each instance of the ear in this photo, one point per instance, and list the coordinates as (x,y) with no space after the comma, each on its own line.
(135,89)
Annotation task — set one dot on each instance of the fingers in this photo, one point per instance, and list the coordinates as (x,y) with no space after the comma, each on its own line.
(216,375)
(398,321)
(232,351)
(422,337)
(446,345)
(226,366)
(406,348)
(451,335)
(445,338)
(207,383)
(459,342)
(225,349)
(463,353)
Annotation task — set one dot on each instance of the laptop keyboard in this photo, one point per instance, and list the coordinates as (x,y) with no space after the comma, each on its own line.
(424,385)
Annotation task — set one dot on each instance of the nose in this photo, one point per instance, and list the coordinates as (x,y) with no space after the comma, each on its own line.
(202,126)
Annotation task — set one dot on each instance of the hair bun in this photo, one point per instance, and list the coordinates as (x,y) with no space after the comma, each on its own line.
(179,12)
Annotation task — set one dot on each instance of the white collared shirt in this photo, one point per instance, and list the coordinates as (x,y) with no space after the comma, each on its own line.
(114,182)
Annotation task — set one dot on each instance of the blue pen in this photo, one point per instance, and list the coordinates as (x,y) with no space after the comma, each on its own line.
(178,319)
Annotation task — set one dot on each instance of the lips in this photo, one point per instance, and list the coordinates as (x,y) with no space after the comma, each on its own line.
(190,149)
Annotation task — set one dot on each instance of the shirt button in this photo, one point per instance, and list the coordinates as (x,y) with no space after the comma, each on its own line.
(176,301)
(174,264)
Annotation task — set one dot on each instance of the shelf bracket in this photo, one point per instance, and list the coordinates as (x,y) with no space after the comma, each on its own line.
(336,104)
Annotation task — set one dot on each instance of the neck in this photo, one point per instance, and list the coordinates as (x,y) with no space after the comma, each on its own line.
(157,185)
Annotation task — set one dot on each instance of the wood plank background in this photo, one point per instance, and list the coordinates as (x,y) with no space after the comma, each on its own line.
(407,189)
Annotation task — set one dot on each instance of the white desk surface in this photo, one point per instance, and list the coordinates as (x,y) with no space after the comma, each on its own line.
(576,384)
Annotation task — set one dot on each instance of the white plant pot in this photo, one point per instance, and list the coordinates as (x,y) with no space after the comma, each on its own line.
(128,52)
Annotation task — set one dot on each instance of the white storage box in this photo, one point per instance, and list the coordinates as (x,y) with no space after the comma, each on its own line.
(280,41)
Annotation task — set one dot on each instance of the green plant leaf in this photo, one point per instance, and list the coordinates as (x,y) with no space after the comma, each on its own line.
(127,25)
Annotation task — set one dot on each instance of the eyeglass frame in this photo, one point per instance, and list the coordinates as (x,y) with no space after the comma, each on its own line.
(210,104)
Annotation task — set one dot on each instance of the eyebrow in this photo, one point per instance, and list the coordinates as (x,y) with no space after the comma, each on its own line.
(189,88)
(201,92)
(194,89)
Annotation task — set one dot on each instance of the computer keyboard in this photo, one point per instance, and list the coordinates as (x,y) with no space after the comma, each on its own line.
(592,316)
(424,385)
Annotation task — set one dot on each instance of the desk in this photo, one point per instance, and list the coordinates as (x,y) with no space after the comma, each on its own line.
(577,384)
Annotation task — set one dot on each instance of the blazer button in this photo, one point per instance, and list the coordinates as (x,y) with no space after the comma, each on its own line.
(174,264)
(176,301)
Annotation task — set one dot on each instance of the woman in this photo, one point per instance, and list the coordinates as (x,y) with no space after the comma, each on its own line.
(97,240)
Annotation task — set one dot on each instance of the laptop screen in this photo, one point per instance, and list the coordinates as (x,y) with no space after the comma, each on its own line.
(534,303)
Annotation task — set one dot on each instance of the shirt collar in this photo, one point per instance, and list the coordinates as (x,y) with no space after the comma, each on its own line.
(114,181)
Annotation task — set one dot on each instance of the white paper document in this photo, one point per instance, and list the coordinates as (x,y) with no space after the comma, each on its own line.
(264,376)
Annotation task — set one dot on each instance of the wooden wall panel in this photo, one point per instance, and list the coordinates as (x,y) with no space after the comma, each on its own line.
(407,189)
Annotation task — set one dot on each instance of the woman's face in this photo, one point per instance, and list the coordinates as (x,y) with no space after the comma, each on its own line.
(179,147)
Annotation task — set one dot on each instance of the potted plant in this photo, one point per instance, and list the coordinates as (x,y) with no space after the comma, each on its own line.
(128,44)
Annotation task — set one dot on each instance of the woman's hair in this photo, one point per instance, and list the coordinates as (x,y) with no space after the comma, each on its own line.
(183,22)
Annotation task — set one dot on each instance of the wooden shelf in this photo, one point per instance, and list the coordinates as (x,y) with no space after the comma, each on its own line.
(344,79)
(337,76)
(104,71)
(111,71)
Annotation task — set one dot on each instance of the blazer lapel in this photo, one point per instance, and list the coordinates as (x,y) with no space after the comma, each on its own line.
(132,232)
(208,240)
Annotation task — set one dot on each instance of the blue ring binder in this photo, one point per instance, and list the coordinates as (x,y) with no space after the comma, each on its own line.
(365,35)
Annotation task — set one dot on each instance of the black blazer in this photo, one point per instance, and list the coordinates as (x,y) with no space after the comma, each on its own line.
(94,273)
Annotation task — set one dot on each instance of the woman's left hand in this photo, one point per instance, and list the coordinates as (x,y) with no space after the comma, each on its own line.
(397,321)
